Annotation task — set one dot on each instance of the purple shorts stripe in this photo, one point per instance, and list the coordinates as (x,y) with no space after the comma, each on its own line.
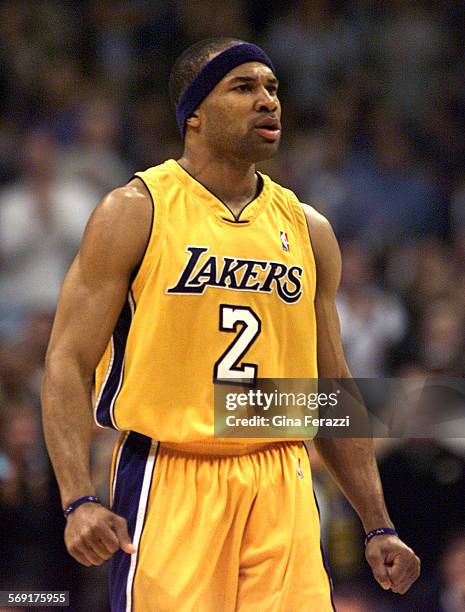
(113,382)
(127,498)
(323,554)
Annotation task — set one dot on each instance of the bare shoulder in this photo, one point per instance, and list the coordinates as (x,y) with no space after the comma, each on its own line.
(325,246)
(320,230)
(119,227)
(318,224)
(130,203)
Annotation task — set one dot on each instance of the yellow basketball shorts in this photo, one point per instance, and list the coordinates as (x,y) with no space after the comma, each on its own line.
(216,532)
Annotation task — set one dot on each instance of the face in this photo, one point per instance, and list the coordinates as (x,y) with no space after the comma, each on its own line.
(241,117)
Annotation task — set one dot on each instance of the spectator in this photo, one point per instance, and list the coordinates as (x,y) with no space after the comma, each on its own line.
(313,46)
(442,338)
(452,566)
(22,358)
(391,194)
(448,593)
(42,217)
(24,500)
(372,320)
(410,43)
(94,158)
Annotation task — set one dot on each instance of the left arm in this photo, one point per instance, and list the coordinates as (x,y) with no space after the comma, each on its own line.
(351,461)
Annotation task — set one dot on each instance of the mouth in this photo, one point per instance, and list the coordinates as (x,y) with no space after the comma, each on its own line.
(270,129)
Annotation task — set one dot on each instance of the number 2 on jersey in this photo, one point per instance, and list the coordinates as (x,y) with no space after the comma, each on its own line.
(229,366)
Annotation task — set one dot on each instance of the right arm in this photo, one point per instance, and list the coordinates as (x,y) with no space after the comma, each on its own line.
(93,294)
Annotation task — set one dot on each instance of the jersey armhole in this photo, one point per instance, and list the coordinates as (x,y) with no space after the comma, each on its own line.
(152,248)
(305,236)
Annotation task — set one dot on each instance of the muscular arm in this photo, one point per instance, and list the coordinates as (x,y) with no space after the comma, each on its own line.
(91,299)
(351,461)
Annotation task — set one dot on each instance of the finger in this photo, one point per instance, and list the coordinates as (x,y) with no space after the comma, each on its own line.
(108,539)
(76,554)
(403,565)
(99,547)
(380,572)
(383,582)
(79,552)
(407,579)
(411,575)
(121,530)
(404,586)
(90,554)
(91,540)
(103,541)
(82,560)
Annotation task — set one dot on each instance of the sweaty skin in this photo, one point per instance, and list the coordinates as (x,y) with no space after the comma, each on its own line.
(223,141)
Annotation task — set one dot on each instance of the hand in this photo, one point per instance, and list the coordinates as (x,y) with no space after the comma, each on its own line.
(93,533)
(395,566)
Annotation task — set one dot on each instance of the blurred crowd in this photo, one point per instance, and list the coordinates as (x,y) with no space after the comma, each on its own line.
(374,137)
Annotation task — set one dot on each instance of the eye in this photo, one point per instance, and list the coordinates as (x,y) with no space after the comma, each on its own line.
(244,88)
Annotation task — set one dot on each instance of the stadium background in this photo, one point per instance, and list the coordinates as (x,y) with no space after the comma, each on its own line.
(374,116)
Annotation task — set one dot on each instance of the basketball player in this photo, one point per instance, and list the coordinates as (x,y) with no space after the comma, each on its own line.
(188,262)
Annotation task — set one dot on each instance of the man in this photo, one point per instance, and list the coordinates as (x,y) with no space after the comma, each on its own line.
(201,271)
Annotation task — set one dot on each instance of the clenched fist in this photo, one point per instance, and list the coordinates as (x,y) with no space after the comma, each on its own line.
(395,566)
(93,533)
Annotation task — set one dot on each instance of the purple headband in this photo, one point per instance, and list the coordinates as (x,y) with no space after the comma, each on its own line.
(201,85)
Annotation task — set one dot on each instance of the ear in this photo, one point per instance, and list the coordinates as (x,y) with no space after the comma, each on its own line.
(193,120)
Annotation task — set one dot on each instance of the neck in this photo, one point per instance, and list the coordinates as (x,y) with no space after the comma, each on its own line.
(233,182)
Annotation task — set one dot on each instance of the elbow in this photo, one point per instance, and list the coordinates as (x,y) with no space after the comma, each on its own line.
(62,366)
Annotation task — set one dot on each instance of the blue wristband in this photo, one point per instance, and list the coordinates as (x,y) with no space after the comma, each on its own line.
(378,532)
(78,502)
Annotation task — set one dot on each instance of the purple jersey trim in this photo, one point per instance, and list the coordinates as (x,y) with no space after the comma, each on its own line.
(113,383)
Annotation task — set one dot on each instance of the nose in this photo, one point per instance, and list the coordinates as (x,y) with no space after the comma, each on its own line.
(266,101)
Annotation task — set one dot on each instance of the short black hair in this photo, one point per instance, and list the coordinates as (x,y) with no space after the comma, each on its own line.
(192,60)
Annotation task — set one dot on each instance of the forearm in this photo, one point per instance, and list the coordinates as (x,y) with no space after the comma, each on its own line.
(352,464)
(351,461)
(68,425)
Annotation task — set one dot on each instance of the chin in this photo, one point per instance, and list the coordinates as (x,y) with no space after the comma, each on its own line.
(267,154)
(262,152)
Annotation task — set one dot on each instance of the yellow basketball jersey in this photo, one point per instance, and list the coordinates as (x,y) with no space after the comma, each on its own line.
(214,299)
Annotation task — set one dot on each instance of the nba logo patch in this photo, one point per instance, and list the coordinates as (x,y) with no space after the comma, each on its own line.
(299,470)
(284,242)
